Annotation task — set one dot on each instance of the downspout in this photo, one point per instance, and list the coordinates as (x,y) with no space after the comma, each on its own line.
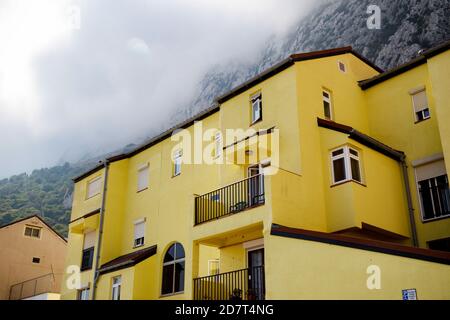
(100,229)
(412,221)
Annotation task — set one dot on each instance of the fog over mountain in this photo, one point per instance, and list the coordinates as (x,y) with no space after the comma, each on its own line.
(134,70)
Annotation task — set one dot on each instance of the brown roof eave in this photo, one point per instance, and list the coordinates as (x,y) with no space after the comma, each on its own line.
(363,244)
(444,46)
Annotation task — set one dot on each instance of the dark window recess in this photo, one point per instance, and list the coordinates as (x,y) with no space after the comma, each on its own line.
(36,260)
(88,257)
(173,270)
(435,196)
(423,114)
(441,244)
(339,170)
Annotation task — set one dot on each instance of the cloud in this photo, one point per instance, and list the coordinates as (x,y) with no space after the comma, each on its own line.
(119,77)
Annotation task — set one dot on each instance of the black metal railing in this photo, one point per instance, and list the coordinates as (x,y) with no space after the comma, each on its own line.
(33,287)
(244,284)
(231,199)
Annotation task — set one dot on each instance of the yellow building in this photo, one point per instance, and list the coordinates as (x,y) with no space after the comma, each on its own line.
(322,177)
(32,260)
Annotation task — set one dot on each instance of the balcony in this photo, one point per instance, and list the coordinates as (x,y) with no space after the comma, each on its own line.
(244,284)
(230,199)
(34,287)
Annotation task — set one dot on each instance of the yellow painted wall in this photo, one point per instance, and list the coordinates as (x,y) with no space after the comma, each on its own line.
(379,201)
(314,270)
(438,71)
(104,286)
(299,195)
(392,121)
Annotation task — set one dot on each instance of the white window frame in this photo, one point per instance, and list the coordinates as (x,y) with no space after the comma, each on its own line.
(32,229)
(144,169)
(139,241)
(346,155)
(256,102)
(89,184)
(84,293)
(116,287)
(177,161)
(330,103)
(339,66)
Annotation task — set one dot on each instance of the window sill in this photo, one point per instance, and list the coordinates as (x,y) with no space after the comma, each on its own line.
(420,121)
(141,245)
(347,181)
(176,175)
(142,190)
(171,294)
(447,216)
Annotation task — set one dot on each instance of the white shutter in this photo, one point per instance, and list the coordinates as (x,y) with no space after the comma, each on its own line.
(93,187)
(430,170)
(143,178)
(139,230)
(89,240)
(420,101)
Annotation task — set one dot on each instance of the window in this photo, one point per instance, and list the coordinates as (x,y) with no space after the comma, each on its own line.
(440,244)
(420,104)
(327,108)
(33,232)
(116,284)
(177,158)
(139,233)
(143,178)
(435,197)
(36,260)
(93,187)
(83,294)
(341,66)
(88,251)
(345,165)
(213,267)
(256,102)
(218,144)
(173,270)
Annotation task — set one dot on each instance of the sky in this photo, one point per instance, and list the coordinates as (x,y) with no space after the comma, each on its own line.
(85,77)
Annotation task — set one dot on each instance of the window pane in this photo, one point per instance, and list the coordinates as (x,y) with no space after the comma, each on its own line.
(353,152)
(28,231)
(179,276)
(444,193)
(339,170)
(337,152)
(427,204)
(170,255)
(35,233)
(179,251)
(325,94)
(167,281)
(326,109)
(356,174)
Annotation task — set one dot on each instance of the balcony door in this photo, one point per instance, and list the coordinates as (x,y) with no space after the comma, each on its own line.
(255,185)
(256,284)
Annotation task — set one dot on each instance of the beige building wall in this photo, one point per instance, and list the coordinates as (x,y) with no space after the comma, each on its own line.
(17,252)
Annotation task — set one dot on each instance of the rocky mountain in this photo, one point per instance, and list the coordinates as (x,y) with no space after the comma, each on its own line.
(406,26)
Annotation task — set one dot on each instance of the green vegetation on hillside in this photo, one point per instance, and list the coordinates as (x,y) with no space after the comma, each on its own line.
(46,192)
